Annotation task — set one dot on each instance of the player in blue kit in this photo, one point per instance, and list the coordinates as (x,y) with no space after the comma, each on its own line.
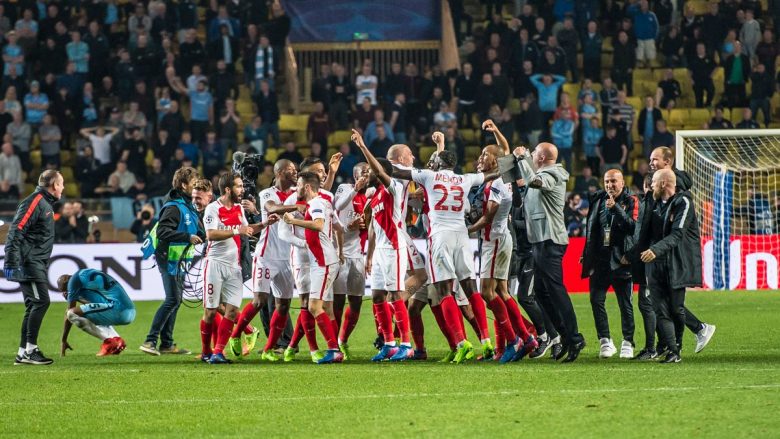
(96,302)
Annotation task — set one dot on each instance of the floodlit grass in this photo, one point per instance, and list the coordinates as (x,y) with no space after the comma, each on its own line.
(731,389)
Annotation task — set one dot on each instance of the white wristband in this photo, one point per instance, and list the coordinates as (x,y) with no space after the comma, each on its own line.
(235,232)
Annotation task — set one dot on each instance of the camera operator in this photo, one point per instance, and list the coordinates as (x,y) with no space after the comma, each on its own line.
(143,223)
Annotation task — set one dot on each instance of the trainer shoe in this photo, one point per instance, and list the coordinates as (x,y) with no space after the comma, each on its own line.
(344,348)
(607,348)
(106,348)
(574,351)
(385,353)
(661,350)
(509,351)
(174,350)
(331,356)
(671,358)
(37,358)
(250,340)
(544,346)
(204,357)
(219,359)
(269,356)
(316,356)
(379,341)
(646,355)
(703,337)
(149,348)
(530,345)
(234,346)
(402,354)
(487,350)
(626,349)
(421,355)
(289,355)
(558,350)
(119,345)
(465,352)
(19,360)
(448,358)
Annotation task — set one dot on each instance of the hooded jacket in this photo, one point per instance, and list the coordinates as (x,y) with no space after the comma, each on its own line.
(167,227)
(544,204)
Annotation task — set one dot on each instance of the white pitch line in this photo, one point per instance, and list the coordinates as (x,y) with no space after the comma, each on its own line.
(391,396)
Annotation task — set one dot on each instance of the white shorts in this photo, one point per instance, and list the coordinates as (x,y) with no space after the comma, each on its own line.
(415,260)
(423,295)
(352,277)
(322,281)
(269,276)
(301,275)
(496,255)
(645,50)
(449,257)
(388,268)
(222,284)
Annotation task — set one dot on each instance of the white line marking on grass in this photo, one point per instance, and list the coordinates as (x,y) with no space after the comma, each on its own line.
(390,396)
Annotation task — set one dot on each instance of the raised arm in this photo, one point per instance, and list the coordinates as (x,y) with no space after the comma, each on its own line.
(333,168)
(491,127)
(372,161)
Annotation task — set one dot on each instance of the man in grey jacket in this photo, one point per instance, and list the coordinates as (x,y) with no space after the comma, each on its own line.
(547,233)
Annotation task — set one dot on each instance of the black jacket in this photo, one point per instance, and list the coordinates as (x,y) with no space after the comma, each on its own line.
(681,243)
(169,223)
(31,238)
(626,213)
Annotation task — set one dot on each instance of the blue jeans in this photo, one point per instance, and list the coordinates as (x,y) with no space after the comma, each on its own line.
(165,317)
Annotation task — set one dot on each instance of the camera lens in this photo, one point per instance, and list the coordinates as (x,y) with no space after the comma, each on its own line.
(145,215)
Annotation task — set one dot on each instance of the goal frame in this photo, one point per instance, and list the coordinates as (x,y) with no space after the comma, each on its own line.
(681,135)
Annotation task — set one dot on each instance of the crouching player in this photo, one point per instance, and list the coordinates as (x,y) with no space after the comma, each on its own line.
(104,304)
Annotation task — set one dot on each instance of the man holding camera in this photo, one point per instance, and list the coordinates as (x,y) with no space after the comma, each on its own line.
(178,231)
(27,256)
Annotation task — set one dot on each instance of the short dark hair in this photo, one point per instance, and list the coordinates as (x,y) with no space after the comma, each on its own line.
(183,176)
(448,158)
(311,179)
(62,282)
(227,181)
(48,177)
(309,162)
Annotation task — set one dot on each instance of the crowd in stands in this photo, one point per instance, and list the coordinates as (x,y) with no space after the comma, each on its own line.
(110,81)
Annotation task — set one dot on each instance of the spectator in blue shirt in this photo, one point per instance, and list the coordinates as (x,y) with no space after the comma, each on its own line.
(592,134)
(35,104)
(547,87)
(78,52)
(13,55)
(379,119)
(191,151)
(201,104)
(563,137)
(645,30)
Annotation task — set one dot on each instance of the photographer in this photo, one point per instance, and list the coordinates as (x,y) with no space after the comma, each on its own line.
(143,223)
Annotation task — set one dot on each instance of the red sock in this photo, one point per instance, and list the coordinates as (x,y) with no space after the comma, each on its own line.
(247,314)
(480,315)
(297,332)
(460,321)
(502,319)
(500,340)
(350,321)
(215,327)
(278,322)
(516,318)
(439,316)
(308,330)
(385,321)
(418,331)
(249,329)
(205,338)
(452,316)
(335,329)
(326,327)
(223,334)
(402,319)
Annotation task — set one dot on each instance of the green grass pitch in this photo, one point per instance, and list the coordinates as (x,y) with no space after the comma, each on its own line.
(731,389)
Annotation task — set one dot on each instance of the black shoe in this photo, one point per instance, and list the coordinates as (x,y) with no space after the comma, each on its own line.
(646,355)
(37,358)
(671,358)
(661,351)
(574,351)
(379,342)
(20,360)
(559,350)
(544,346)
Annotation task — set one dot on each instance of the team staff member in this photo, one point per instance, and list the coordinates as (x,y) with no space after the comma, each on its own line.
(544,202)
(178,231)
(610,222)
(27,255)
(673,257)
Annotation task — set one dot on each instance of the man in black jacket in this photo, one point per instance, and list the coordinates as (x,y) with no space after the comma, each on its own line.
(610,221)
(673,255)
(27,256)
(169,233)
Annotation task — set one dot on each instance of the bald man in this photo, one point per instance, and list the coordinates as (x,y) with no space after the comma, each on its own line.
(544,203)
(611,220)
(670,236)
(663,158)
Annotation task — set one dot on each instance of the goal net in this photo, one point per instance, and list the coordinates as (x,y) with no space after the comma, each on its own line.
(736,191)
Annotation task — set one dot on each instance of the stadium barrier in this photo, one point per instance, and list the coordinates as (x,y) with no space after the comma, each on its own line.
(750,269)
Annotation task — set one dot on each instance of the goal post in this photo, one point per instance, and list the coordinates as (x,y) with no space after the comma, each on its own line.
(736,191)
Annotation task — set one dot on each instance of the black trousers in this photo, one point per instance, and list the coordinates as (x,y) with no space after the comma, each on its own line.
(36,303)
(600,281)
(669,304)
(648,316)
(527,297)
(698,92)
(550,291)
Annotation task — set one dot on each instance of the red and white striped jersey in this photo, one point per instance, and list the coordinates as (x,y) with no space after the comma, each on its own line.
(501,193)
(218,217)
(300,256)
(270,246)
(320,244)
(349,206)
(446,193)
(386,215)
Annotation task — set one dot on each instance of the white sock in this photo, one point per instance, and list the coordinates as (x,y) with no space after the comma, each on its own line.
(87,326)
(407,344)
(31,347)
(461,343)
(390,343)
(109,331)
(21,351)
(484,341)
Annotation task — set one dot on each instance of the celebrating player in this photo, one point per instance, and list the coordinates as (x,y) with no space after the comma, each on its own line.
(104,303)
